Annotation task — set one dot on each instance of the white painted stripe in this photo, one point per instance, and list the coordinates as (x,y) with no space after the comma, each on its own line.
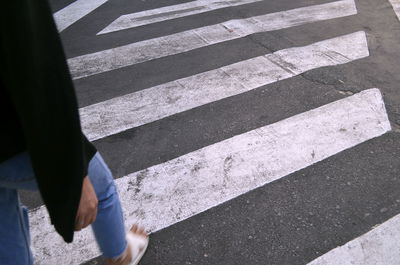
(170,12)
(75,11)
(165,194)
(396,7)
(148,105)
(143,51)
(380,246)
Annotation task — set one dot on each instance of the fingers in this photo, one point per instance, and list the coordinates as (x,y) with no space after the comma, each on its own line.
(83,221)
(79,225)
(87,210)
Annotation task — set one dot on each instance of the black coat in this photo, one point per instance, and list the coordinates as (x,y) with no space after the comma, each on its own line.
(39,110)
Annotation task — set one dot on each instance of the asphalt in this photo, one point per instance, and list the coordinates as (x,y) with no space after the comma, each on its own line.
(292,220)
(346,196)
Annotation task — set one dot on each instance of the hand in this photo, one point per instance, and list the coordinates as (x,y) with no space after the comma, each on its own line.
(87,210)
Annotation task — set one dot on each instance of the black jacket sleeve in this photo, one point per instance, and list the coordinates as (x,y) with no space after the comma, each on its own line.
(35,75)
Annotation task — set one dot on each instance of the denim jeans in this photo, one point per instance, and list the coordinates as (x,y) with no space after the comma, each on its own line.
(17,173)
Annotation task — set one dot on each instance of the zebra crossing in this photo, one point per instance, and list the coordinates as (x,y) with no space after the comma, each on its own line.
(107,60)
(169,12)
(116,115)
(75,11)
(189,183)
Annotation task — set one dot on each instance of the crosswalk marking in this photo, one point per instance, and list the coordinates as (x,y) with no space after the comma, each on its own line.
(75,11)
(379,246)
(145,106)
(180,188)
(169,12)
(107,60)
(396,7)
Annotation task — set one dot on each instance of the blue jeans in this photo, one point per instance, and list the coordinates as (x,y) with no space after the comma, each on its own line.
(17,173)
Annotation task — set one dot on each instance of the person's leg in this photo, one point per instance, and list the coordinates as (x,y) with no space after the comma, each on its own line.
(14,224)
(14,230)
(17,173)
(108,228)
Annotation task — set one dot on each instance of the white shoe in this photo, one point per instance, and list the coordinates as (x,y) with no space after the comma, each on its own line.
(138,245)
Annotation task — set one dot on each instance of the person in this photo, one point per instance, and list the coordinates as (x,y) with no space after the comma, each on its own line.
(42,145)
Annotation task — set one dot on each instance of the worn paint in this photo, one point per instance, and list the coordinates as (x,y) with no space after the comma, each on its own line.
(379,246)
(170,12)
(148,105)
(75,11)
(138,52)
(165,194)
